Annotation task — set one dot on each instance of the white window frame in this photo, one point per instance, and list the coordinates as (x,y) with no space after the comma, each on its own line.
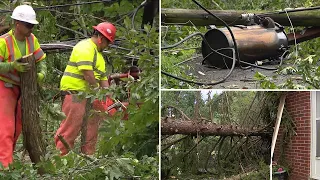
(313,145)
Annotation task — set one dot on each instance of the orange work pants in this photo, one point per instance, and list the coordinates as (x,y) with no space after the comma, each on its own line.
(10,121)
(71,126)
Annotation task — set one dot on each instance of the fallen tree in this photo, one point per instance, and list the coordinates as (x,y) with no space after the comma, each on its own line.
(170,127)
(202,18)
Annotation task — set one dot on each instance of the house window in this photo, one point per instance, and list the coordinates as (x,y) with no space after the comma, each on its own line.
(318,139)
(318,125)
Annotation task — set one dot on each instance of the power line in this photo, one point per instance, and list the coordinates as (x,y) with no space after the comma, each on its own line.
(292,10)
(62,5)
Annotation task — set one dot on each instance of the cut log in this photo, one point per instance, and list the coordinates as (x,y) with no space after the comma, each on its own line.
(30,104)
(202,18)
(207,128)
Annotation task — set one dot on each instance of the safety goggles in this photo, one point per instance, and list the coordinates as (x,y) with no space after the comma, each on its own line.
(28,25)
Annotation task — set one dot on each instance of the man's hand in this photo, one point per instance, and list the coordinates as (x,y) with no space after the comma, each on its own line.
(19,66)
(89,77)
(40,78)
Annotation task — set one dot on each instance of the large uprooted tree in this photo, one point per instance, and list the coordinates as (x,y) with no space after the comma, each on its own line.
(219,135)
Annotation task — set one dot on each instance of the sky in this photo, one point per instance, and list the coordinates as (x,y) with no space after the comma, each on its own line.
(204,93)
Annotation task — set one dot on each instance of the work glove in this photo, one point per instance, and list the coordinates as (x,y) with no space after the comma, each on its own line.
(19,66)
(40,78)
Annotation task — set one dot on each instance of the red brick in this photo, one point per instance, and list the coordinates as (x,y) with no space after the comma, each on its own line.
(298,150)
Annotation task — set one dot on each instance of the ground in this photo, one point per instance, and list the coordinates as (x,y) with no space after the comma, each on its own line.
(239,78)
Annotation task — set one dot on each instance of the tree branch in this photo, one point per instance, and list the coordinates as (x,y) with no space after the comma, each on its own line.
(76,32)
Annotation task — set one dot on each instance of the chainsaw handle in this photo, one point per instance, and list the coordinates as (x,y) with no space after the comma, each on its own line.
(123,75)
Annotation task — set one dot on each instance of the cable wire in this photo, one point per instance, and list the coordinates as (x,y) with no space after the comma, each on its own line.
(136,11)
(226,25)
(62,5)
(202,83)
(212,51)
(182,41)
(294,36)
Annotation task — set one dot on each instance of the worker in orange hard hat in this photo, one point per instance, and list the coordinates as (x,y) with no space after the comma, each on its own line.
(13,45)
(85,71)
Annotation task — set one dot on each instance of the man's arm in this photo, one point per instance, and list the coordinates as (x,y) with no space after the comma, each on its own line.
(41,71)
(42,68)
(89,77)
(5,67)
(104,84)
(9,66)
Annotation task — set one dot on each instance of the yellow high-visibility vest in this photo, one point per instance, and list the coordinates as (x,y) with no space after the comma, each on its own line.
(9,51)
(84,56)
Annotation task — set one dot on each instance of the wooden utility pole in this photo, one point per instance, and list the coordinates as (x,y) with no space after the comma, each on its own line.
(202,18)
(30,106)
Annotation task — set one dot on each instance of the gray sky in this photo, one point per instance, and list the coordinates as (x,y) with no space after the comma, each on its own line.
(212,92)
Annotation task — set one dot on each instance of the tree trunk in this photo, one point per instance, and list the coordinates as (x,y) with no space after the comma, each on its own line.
(206,128)
(30,103)
(202,18)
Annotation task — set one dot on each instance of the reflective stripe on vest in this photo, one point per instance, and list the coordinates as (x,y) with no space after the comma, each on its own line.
(78,76)
(9,42)
(80,63)
(74,64)
(38,54)
(95,63)
(11,58)
(30,43)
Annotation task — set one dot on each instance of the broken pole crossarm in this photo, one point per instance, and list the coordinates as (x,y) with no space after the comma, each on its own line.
(202,18)
(304,35)
(206,128)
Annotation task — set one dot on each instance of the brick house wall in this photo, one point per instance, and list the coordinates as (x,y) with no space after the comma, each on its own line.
(297,153)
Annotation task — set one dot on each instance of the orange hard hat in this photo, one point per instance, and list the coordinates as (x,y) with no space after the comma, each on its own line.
(107,29)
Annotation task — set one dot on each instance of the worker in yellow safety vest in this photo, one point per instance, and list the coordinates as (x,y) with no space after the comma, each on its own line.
(85,70)
(13,45)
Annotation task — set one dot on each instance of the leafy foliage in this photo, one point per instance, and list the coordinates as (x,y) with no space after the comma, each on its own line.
(125,149)
(307,68)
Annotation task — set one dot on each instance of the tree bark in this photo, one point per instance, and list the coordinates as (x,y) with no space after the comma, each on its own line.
(202,18)
(206,128)
(30,104)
